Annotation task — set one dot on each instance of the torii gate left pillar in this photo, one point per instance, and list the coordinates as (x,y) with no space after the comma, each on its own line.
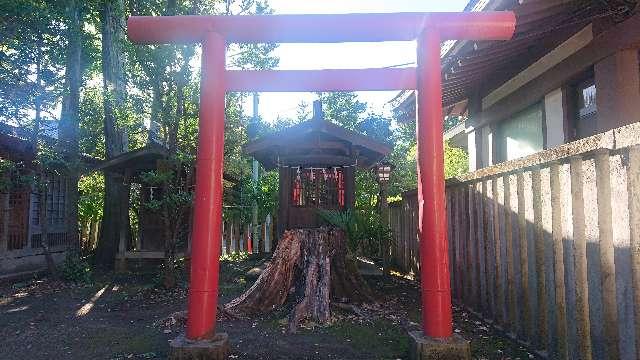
(437,339)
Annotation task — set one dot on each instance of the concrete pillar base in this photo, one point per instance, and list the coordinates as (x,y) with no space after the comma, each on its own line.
(426,348)
(215,349)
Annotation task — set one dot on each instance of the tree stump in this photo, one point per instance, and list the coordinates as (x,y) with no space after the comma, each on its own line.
(310,267)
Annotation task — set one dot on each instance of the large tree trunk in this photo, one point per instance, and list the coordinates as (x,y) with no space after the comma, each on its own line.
(69,118)
(116,201)
(310,267)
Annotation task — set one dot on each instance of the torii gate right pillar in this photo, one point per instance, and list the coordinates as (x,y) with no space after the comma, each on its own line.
(437,340)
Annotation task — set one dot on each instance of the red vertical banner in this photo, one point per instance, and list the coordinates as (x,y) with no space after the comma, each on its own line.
(432,226)
(205,258)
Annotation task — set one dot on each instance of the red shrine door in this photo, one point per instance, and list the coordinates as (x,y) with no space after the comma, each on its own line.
(430,29)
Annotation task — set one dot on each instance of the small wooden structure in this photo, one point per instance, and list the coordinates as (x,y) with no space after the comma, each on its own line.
(21,226)
(316,161)
(148,242)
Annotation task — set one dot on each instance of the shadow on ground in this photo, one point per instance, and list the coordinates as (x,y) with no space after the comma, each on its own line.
(129,317)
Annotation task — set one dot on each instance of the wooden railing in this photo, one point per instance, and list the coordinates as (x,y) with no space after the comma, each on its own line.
(547,247)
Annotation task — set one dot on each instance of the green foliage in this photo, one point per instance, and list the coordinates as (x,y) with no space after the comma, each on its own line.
(365,229)
(235,257)
(456,161)
(32,45)
(91,188)
(343,108)
(176,196)
(13,175)
(75,268)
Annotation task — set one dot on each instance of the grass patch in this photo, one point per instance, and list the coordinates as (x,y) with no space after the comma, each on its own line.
(380,338)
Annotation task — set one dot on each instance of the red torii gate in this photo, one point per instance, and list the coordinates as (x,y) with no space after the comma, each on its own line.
(215,31)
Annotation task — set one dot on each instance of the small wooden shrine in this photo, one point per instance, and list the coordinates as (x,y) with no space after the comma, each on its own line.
(316,161)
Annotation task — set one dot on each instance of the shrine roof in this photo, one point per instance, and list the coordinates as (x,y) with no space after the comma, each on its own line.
(316,142)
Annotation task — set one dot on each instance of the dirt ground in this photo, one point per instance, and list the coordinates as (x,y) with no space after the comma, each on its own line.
(129,317)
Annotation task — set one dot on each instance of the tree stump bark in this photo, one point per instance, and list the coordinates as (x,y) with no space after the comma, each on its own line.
(310,267)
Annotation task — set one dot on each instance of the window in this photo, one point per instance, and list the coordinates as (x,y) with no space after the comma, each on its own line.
(587,99)
(521,135)
(318,187)
(586,113)
(56,197)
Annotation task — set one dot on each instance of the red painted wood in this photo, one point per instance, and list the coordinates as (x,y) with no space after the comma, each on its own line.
(432,217)
(322,28)
(205,251)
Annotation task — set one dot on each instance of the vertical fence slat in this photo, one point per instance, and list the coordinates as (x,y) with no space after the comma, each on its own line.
(498,199)
(511,285)
(607,262)
(459,243)
(473,249)
(485,250)
(237,238)
(524,260)
(583,322)
(448,208)
(490,248)
(452,221)
(470,301)
(633,188)
(479,249)
(558,251)
(541,288)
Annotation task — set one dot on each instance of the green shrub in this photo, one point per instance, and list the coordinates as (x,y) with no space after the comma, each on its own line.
(75,268)
(365,230)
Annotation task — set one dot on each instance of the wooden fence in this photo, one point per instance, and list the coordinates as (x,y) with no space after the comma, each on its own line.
(237,237)
(547,247)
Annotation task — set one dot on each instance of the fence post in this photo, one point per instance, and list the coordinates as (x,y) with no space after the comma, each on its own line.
(267,234)
(222,230)
(248,236)
(607,262)
(558,254)
(580,258)
(633,189)
(236,238)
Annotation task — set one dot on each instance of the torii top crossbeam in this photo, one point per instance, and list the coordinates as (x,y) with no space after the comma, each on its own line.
(321,28)
(214,32)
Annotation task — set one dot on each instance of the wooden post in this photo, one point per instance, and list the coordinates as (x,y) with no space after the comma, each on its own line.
(484,201)
(511,282)
(472,249)
(526,328)
(541,289)
(263,236)
(268,234)
(498,194)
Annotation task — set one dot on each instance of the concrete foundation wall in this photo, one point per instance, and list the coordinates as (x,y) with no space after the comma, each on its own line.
(19,261)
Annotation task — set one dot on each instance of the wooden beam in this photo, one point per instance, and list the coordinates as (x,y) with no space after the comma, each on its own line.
(321,80)
(554,57)
(322,28)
